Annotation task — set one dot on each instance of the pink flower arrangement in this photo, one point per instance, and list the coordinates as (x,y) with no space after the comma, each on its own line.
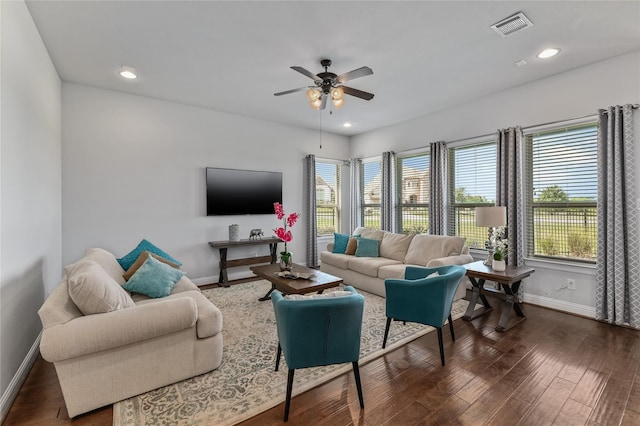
(283,233)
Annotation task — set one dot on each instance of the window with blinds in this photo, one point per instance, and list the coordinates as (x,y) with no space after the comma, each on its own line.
(327,198)
(412,189)
(562,195)
(371,193)
(472,177)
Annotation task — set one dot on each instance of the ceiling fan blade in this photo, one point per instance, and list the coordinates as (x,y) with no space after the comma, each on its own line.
(307,73)
(286,92)
(360,72)
(357,93)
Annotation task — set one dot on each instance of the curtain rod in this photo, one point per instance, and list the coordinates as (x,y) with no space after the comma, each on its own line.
(634,106)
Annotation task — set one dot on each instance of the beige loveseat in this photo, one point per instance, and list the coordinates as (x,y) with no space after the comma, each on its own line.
(141,345)
(396,252)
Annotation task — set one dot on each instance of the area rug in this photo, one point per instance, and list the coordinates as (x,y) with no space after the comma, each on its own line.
(246,384)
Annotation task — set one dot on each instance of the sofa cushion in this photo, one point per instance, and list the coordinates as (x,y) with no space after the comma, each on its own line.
(369,265)
(395,246)
(127,260)
(94,291)
(367,247)
(352,245)
(103,258)
(59,307)
(425,247)
(335,259)
(373,234)
(141,259)
(154,278)
(392,271)
(340,242)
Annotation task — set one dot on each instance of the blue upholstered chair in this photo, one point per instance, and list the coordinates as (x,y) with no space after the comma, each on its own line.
(423,299)
(318,331)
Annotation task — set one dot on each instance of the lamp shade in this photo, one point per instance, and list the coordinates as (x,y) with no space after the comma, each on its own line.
(491,216)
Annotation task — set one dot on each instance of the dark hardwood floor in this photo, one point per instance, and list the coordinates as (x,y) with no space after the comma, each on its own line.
(552,369)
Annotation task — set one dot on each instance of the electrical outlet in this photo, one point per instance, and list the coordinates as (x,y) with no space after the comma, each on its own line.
(571,284)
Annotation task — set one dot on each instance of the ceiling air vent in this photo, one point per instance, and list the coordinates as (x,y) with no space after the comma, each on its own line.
(512,24)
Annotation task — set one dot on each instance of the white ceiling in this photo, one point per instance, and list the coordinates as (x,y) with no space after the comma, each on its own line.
(233,55)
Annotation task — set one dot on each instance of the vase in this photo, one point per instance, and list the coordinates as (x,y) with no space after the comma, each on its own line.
(498,265)
(286,261)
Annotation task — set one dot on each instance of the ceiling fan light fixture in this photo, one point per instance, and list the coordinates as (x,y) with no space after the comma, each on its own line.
(316,104)
(313,94)
(337,93)
(338,103)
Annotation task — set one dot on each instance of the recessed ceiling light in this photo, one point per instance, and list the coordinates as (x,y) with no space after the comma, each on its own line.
(548,53)
(347,124)
(128,73)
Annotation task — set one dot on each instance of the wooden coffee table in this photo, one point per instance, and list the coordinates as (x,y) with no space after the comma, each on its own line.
(318,282)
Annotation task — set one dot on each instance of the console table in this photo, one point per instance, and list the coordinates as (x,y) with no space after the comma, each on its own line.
(223,246)
(510,280)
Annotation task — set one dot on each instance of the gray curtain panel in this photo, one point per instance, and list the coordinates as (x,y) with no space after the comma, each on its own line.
(387,213)
(510,173)
(355,201)
(309,183)
(618,257)
(438,200)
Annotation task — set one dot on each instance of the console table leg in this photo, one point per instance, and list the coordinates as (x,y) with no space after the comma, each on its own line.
(224,278)
(273,248)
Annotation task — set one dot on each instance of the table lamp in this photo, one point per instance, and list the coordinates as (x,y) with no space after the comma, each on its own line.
(491,217)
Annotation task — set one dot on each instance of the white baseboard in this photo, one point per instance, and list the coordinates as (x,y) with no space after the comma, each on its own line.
(560,305)
(10,394)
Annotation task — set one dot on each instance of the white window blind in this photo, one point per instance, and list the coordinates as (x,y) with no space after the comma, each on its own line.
(413,191)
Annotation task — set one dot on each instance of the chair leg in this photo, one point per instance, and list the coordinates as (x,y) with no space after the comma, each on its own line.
(278,355)
(386,333)
(356,372)
(453,335)
(441,345)
(288,400)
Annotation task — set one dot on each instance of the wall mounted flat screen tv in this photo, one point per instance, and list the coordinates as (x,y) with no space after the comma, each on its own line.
(240,192)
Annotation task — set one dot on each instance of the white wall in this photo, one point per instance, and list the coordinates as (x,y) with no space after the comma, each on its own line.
(572,94)
(30,191)
(133,168)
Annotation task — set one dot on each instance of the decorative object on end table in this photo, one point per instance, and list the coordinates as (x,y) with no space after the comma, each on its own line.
(256,234)
(491,217)
(286,257)
(500,243)
(234,232)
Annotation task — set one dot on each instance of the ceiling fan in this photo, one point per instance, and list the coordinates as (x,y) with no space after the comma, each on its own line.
(328,84)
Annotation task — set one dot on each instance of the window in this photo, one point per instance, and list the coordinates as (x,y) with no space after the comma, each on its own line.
(412,182)
(562,195)
(371,194)
(472,172)
(327,197)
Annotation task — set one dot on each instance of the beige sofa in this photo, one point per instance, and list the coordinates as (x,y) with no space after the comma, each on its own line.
(140,345)
(396,252)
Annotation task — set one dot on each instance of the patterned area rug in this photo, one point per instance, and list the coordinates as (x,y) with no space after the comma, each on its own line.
(246,383)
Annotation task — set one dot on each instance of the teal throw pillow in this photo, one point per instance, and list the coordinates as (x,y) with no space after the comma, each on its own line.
(367,247)
(154,279)
(340,242)
(130,258)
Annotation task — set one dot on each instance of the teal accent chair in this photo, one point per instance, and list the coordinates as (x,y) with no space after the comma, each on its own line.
(318,331)
(418,298)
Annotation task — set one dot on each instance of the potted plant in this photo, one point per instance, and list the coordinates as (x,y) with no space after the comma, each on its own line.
(501,248)
(286,257)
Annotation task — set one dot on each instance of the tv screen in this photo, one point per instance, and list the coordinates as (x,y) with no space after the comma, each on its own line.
(239,192)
